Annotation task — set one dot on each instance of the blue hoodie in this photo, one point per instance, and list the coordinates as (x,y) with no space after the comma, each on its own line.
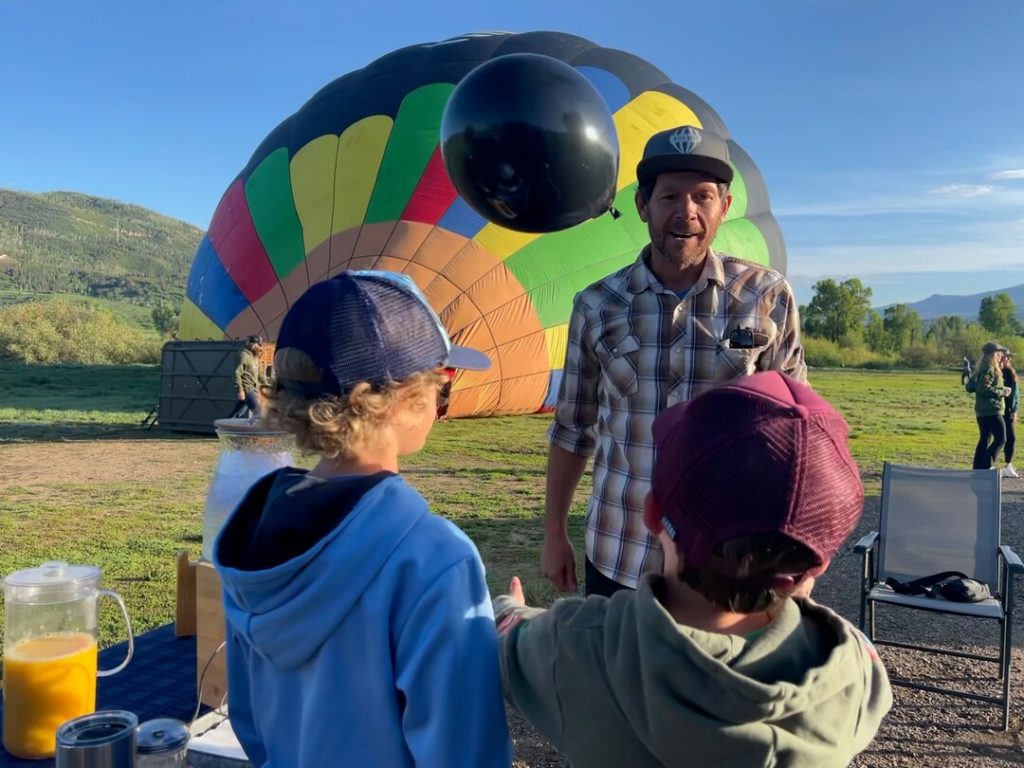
(359,629)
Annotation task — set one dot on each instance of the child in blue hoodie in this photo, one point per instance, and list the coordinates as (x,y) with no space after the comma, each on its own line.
(359,625)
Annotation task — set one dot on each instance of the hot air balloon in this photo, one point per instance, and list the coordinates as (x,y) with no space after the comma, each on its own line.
(355,180)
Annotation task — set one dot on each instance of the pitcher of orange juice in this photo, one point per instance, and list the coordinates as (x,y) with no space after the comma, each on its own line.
(50,651)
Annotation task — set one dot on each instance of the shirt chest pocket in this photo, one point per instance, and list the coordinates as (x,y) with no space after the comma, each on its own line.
(737,362)
(619,365)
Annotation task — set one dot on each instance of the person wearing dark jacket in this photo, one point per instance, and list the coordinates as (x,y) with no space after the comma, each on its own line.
(359,624)
(248,379)
(718,660)
(1010,413)
(989,404)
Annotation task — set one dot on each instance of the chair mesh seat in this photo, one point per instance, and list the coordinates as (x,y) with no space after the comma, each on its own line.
(986,609)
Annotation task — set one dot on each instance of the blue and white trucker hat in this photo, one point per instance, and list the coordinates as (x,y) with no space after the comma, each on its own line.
(373,326)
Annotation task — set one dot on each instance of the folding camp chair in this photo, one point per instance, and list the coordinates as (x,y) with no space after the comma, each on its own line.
(936,520)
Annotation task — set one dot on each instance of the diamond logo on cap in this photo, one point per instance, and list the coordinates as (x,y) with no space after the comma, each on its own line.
(685,140)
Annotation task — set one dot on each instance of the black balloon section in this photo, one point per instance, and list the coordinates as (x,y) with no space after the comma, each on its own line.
(530,144)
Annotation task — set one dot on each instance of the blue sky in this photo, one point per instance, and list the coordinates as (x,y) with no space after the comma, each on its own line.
(890,132)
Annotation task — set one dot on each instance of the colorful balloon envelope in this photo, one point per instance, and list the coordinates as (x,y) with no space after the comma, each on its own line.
(355,180)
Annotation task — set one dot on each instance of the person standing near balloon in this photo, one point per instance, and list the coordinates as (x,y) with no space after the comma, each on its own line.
(989,404)
(1010,413)
(248,379)
(676,322)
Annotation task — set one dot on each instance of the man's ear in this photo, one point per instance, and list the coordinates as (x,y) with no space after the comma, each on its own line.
(652,515)
(641,206)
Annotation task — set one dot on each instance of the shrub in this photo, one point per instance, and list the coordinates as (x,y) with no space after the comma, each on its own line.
(822,353)
(919,356)
(66,331)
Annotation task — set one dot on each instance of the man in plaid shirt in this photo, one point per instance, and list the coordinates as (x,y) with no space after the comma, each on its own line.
(677,321)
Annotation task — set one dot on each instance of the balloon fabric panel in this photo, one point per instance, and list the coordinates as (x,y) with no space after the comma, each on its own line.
(360,151)
(193,324)
(412,143)
(433,195)
(235,240)
(743,236)
(462,219)
(271,203)
(211,287)
(312,181)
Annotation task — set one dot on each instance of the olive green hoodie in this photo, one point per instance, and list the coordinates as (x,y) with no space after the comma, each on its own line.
(617,682)
(987,386)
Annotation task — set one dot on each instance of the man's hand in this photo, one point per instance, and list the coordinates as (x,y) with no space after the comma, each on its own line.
(558,561)
(241,394)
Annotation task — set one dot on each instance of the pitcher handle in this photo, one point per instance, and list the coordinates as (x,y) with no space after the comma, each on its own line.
(131,637)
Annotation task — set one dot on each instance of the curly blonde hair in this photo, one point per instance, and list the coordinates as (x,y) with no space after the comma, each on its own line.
(340,425)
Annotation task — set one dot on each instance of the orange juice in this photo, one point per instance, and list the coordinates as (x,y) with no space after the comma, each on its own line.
(47,680)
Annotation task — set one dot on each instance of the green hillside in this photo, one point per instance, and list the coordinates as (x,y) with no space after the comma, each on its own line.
(65,242)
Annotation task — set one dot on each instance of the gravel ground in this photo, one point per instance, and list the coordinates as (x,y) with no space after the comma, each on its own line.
(922,729)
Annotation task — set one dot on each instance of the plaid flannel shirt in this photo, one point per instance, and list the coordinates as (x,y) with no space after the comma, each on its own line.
(636,348)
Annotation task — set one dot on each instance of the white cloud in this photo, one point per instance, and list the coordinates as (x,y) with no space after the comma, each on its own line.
(960,191)
(1017,173)
(813,261)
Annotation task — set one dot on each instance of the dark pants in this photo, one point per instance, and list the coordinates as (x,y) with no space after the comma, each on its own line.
(1011,438)
(992,435)
(596,583)
(249,406)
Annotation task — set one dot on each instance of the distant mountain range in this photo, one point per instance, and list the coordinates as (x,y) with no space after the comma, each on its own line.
(66,242)
(941,305)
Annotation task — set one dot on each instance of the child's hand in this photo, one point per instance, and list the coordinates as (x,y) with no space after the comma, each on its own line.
(515,591)
(510,619)
(803,589)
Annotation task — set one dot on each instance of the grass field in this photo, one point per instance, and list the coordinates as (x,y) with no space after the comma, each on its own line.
(82,482)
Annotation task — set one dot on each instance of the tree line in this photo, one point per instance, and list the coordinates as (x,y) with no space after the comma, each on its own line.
(841,329)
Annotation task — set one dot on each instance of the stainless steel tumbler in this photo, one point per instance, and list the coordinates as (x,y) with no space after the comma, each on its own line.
(105,739)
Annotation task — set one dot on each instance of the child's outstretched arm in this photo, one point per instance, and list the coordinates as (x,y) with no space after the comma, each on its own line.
(447,669)
(529,654)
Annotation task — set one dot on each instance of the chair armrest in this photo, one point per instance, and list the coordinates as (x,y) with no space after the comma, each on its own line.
(1013,563)
(868,543)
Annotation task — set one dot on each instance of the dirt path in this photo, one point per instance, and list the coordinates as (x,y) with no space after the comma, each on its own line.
(33,465)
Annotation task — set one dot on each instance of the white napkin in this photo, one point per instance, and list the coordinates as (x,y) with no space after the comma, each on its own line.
(214,736)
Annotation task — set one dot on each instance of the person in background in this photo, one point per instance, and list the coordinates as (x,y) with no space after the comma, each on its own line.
(965,371)
(445,396)
(359,625)
(989,404)
(674,323)
(249,377)
(718,660)
(1010,413)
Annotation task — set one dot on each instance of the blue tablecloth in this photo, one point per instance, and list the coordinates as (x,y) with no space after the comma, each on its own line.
(160,681)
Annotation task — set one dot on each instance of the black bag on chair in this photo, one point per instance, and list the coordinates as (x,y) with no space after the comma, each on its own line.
(951,585)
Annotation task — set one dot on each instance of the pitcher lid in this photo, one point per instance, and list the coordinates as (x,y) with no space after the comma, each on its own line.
(246,427)
(53,573)
(164,734)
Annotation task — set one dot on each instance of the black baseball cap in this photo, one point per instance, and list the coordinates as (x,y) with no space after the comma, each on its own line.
(993,346)
(686,148)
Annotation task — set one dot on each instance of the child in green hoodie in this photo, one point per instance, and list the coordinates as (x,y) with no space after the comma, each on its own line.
(713,661)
